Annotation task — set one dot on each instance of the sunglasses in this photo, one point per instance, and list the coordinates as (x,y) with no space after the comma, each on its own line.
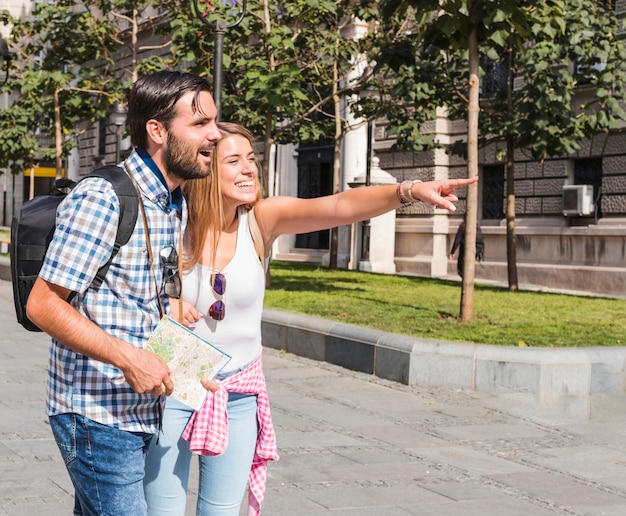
(217,310)
(169,261)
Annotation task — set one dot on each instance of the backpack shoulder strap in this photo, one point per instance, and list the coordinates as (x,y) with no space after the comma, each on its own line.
(129,206)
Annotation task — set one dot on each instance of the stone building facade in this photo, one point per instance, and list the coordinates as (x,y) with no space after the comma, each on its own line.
(572,252)
(579,247)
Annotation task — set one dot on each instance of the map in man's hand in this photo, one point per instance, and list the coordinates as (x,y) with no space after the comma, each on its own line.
(189,358)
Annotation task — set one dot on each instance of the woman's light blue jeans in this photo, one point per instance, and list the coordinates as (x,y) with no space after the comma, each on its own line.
(106,465)
(223,479)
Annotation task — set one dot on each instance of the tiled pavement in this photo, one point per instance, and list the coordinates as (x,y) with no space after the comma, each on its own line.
(352,444)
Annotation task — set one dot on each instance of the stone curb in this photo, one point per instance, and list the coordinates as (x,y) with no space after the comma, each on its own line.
(561,382)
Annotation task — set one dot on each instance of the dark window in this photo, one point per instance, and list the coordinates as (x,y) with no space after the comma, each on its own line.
(315,179)
(41,186)
(492,181)
(589,172)
(494,78)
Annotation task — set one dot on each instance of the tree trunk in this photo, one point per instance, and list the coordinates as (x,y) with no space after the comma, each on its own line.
(511,248)
(467,290)
(133,47)
(265,173)
(269,115)
(269,135)
(268,141)
(511,241)
(334,232)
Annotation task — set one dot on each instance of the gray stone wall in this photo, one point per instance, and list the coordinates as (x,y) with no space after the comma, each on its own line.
(574,254)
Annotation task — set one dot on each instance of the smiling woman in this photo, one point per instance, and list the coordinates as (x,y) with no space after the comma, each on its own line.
(230,227)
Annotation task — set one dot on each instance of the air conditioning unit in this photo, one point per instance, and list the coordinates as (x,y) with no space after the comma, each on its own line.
(578,200)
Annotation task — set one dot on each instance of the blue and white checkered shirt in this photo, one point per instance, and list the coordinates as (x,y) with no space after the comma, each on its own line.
(126,304)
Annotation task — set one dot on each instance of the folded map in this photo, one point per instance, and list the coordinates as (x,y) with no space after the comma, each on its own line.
(189,357)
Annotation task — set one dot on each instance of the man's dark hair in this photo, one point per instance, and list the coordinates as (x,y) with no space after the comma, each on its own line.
(154,97)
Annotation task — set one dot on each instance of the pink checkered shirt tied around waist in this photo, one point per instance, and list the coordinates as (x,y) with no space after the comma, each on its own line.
(207,430)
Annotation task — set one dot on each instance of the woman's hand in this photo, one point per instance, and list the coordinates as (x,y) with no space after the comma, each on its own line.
(209,385)
(440,193)
(190,314)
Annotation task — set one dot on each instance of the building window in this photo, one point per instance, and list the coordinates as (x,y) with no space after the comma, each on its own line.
(589,172)
(494,79)
(315,179)
(492,181)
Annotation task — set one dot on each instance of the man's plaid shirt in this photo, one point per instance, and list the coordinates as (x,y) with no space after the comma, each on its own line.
(126,304)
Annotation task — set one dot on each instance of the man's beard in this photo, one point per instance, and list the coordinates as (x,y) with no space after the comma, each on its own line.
(181,159)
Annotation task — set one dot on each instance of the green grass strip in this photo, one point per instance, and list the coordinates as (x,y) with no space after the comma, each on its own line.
(425,307)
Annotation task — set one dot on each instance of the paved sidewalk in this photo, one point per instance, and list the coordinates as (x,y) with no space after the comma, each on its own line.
(352,444)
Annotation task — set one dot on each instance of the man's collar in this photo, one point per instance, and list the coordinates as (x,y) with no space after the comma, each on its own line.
(175,198)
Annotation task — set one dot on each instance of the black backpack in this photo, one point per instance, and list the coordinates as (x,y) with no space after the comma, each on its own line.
(32,229)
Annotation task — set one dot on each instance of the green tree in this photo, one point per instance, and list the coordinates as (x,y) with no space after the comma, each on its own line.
(430,56)
(67,74)
(54,88)
(414,57)
(285,67)
(571,69)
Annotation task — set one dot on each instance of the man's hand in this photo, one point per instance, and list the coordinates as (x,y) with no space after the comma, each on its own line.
(144,371)
(147,373)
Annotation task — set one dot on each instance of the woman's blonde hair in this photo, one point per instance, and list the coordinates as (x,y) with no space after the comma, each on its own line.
(206,209)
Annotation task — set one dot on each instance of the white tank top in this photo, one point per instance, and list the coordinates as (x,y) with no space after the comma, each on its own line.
(239,333)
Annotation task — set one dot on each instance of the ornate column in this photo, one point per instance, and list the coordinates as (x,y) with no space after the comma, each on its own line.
(374,241)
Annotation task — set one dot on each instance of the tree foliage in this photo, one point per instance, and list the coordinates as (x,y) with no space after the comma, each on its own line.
(50,55)
(563,51)
(66,71)
(277,63)
(572,74)
(285,69)
(279,59)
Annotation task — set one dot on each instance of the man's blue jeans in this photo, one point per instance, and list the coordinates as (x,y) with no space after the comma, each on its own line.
(105,464)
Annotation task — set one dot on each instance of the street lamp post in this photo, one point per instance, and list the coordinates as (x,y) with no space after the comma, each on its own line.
(219,28)
(5,57)
(117,118)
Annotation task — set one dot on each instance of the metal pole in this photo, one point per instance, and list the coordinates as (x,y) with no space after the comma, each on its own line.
(118,144)
(220,30)
(219,27)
